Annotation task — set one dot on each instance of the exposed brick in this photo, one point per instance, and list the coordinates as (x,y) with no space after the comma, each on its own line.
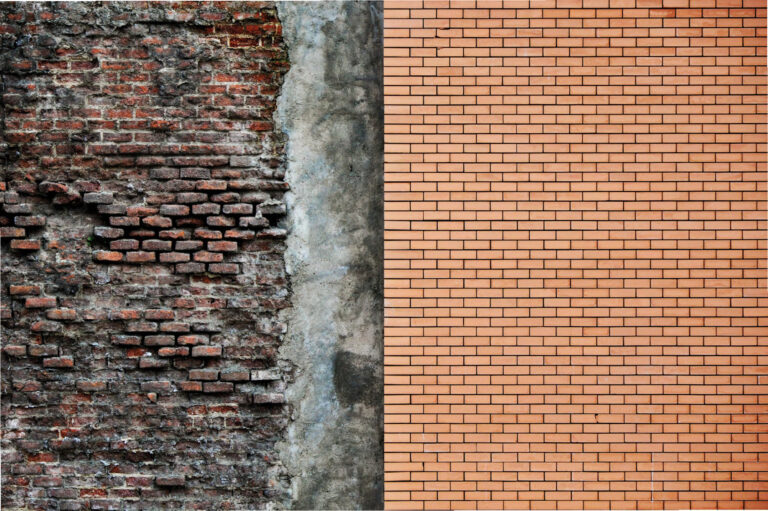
(124,245)
(108,232)
(43,350)
(192,340)
(206,351)
(110,154)
(15,350)
(25,245)
(222,246)
(173,352)
(224,268)
(156,245)
(174,210)
(61,314)
(139,257)
(217,387)
(207,208)
(59,362)
(29,221)
(159,340)
(204,374)
(235,375)
(107,256)
(174,257)
(170,481)
(126,340)
(22,289)
(42,302)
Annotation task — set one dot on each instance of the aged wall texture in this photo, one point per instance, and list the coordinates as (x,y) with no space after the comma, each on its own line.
(330,108)
(575,280)
(142,265)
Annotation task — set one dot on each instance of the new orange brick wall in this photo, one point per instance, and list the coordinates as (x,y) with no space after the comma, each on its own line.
(576,306)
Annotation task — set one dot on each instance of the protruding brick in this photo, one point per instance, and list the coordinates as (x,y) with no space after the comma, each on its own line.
(217,387)
(158,222)
(153,363)
(159,340)
(41,302)
(124,244)
(59,362)
(91,386)
(156,245)
(12,232)
(206,351)
(23,289)
(15,350)
(190,268)
(29,221)
(265,374)
(108,232)
(207,234)
(61,314)
(98,198)
(174,210)
(159,314)
(222,246)
(224,268)
(191,386)
(207,208)
(173,352)
(208,257)
(174,257)
(170,481)
(107,256)
(192,340)
(235,375)
(42,350)
(204,374)
(268,398)
(139,257)
(25,245)
(189,245)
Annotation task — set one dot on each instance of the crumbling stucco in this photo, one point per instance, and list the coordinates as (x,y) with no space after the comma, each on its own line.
(330,109)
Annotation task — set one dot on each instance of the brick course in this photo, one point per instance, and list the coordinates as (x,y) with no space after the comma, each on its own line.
(575,260)
(141,187)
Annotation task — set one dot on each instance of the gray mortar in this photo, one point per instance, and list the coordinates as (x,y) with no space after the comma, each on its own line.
(331,110)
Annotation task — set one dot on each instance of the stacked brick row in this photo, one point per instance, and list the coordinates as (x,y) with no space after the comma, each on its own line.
(575,254)
(142,266)
(17,220)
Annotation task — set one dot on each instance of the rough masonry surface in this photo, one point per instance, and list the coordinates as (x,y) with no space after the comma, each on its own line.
(142,264)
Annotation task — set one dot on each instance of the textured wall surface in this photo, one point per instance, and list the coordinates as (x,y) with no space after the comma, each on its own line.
(330,108)
(575,254)
(142,268)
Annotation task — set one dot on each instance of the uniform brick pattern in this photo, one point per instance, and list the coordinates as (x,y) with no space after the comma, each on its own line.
(142,268)
(576,305)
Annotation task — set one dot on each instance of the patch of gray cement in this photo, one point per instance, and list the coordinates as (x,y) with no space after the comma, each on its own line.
(331,111)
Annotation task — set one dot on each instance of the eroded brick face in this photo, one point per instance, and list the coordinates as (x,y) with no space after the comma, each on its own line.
(142,268)
(575,259)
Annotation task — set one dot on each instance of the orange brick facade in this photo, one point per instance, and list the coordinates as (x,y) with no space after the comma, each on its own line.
(575,280)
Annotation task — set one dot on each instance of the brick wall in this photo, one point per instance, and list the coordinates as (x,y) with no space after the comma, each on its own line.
(142,269)
(575,261)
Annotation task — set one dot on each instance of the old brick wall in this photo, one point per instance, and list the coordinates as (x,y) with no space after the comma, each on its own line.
(576,312)
(142,265)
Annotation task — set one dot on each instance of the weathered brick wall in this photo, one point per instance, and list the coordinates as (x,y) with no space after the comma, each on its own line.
(575,261)
(142,269)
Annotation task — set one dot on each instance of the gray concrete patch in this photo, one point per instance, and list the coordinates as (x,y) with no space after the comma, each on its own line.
(331,111)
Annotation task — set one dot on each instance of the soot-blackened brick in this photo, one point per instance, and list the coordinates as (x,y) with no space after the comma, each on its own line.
(137,139)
